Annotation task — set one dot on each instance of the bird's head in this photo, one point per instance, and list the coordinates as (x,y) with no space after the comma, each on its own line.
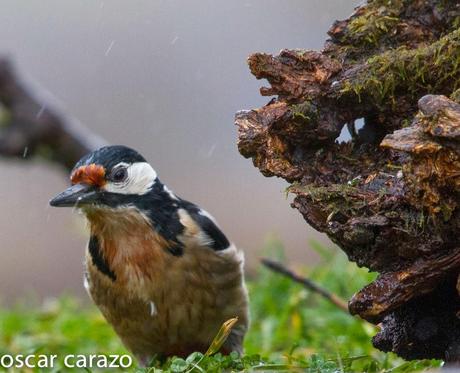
(111,176)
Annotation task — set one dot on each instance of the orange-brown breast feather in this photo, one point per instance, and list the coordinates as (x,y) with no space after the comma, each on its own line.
(92,174)
(141,245)
(192,295)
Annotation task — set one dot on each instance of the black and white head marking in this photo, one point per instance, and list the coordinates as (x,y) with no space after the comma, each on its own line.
(120,178)
(126,171)
(136,178)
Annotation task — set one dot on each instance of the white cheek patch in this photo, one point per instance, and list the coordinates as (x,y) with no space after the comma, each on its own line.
(141,177)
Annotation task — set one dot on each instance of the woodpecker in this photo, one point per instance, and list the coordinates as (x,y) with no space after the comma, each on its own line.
(157,266)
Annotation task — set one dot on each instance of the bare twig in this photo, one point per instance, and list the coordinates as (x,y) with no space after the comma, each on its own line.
(33,125)
(309,284)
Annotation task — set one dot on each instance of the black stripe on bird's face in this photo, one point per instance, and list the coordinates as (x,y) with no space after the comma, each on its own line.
(98,259)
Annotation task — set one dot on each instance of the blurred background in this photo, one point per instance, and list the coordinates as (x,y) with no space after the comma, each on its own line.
(166,78)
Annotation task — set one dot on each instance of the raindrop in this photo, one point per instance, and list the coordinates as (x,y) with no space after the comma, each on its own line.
(174,40)
(40,112)
(109,48)
(26,150)
(211,151)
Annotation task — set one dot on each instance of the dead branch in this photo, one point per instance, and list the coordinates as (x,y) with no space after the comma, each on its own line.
(306,282)
(33,125)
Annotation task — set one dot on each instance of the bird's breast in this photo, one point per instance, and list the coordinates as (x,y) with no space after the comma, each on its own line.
(157,301)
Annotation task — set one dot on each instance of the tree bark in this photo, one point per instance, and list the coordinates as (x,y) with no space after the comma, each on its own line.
(390,197)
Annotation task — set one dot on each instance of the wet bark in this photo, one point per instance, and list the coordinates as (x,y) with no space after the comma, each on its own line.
(390,197)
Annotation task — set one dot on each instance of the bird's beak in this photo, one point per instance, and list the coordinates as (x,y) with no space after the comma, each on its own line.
(75,196)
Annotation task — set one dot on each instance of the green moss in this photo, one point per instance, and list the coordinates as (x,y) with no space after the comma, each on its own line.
(323,193)
(455,96)
(405,123)
(304,111)
(447,211)
(379,17)
(334,198)
(429,69)
(348,200)
(415,222)
(456,23)
(370,28)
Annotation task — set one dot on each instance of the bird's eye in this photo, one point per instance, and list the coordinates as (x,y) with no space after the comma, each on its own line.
(119,174)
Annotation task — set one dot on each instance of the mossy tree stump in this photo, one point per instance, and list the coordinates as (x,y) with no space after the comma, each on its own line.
(390,198)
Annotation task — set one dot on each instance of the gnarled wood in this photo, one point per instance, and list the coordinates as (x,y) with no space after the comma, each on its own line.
(390,197)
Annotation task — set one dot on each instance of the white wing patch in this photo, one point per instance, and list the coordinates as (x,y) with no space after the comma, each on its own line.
(193,232)
(141,177)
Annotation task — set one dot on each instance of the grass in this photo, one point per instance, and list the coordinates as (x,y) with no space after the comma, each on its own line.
(291,330)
